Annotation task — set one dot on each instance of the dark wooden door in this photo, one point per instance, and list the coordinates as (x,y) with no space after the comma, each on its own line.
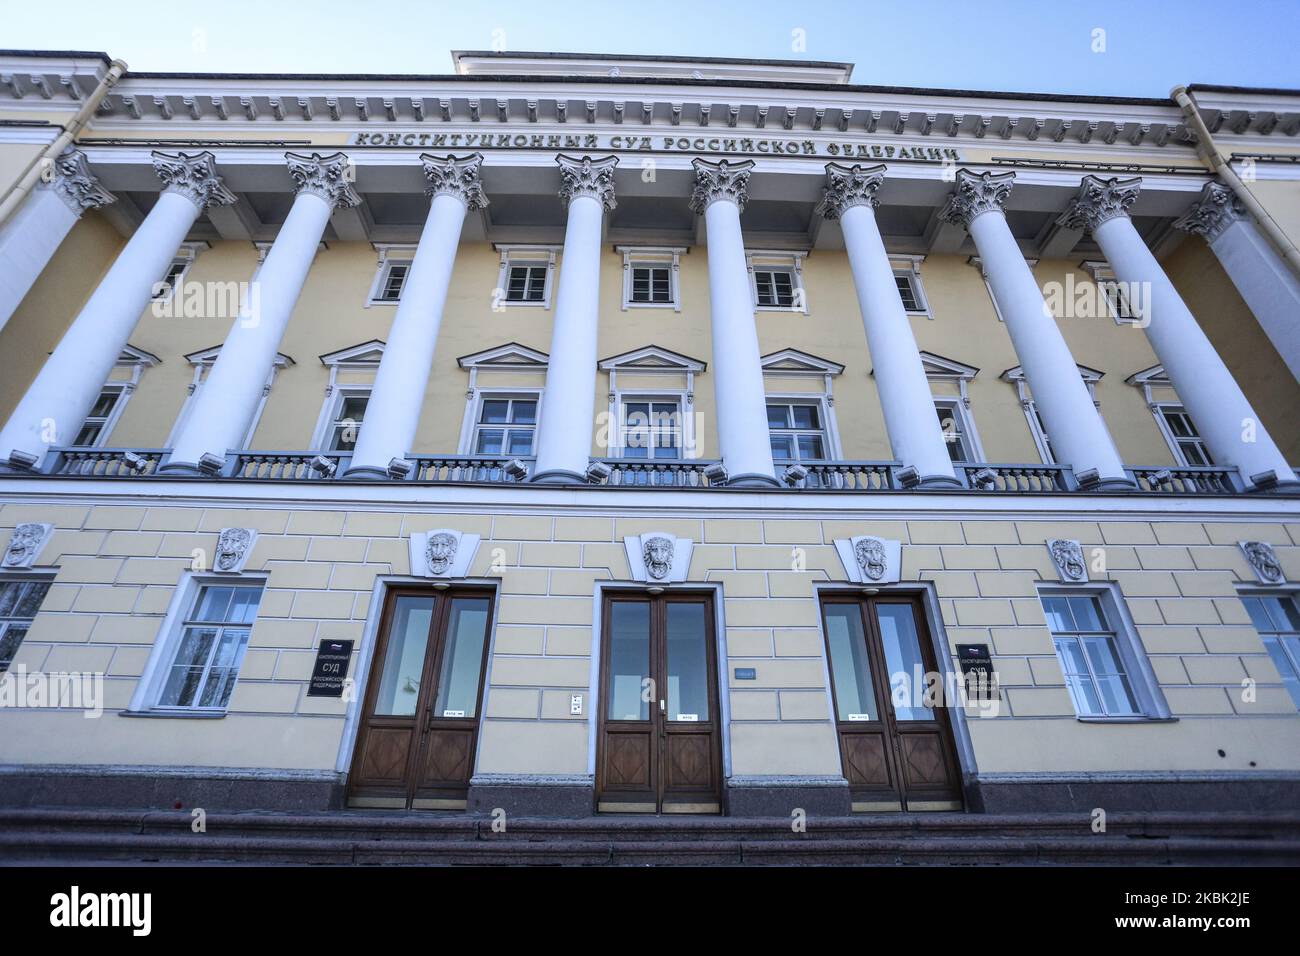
(896,742)
(419,725)
(659,743)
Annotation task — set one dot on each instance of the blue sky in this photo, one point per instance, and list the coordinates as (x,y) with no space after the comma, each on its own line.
(1030,45)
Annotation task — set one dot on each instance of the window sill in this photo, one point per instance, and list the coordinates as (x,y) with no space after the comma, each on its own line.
(524,305)
(383,302)
(1140,719)
(650,305)
(184,714)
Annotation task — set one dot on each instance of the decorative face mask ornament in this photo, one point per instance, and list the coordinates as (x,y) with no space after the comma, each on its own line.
(658,554)
(440,552)
(870,553)
(1263,559)
(25,544)
(1068,558)
(232,546)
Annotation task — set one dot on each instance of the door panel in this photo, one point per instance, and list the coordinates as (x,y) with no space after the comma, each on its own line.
(419,725)
(659,747)
(896,742)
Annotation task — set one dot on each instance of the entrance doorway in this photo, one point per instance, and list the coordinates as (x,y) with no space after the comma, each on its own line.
(896,744)
(419,726)
(659,742)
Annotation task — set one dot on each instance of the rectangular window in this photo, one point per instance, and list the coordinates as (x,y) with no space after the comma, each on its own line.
(19,602)
(212,642)
(652,284)
(652,429)
(774,288)
(94,428)
(347,421)
(505,426)
(174,274)
(526,283)
(1088,648)
(953,424)
(1117,300)
(909,291)
(392,280)
(1277,619)
(1188,444)
(796,431)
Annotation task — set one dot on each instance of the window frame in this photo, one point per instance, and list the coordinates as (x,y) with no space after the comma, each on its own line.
(829,444)
(184,602)
(123,390)
(757,260)
(389,257)
(652,257)
(909,268)
(516,256)
(1108,286)
(482,396)
(202,367)
(1148,697)
(965,425)
(1016,376)
(652,397)
(185,257)
(329,419)
(1292,593)
(23,577)
(1159,408)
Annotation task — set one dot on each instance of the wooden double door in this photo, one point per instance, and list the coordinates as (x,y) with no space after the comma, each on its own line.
(896,741)
(419,725)
(659,739)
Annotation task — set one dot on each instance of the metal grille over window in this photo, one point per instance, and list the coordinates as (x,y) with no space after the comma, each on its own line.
(212,644)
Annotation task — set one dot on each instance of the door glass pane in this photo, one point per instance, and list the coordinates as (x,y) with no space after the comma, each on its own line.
(688,662)
(907,673)
(399,685)
(629,659)
(462,661)
(850,668)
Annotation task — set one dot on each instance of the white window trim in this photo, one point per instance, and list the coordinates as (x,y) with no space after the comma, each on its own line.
(807,365)
(150,686)
(988,286)
(909,267)
(1287,589)
(826,412)
(1175,447)
(684,399)
(675,364)
(137,360)
(518,255)
(763,259)
(940,369)
(389,255)
(204,365)
(475,398)
(1016,376)
(653,256)
(331,408)
(1152,378)
(363,357)
(1102,274)
(186,254)
(1150,699)
(966,421)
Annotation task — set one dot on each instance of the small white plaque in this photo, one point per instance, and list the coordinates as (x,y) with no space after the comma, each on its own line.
(453,713)
(688,717)
(859,717)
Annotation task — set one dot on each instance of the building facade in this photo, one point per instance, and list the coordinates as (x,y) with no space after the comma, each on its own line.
(581,434)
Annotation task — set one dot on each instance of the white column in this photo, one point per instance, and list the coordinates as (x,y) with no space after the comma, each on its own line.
(1268,285)
(403,375)
(29,239)
(70,380)
(915,435)
(741,399)
(232,390)
(569,403)
(1079,436)
(1218,407)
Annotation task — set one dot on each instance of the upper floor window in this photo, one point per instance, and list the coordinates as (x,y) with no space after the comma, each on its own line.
(777,281)
(1113,292)
(202,362)
(392,281)
(652,428)
(956,431)
(652,285)
(391,274)
(94,430)
(20,599)
(907,279)
(1185,441)
(1037,429)
(1277,619)
(177,269)
(210,649)
(650,277)
(506,425)
(348,412)
(1106,670)
(796,431)
(526,276)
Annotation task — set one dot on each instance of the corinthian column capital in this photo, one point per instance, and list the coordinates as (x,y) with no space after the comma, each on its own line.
(1100,200)
(976,194)
(1216,210)
(720,181)
(455,176)
(193,176)
(324,176)
(587,177)
(77,185)
(848,186)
